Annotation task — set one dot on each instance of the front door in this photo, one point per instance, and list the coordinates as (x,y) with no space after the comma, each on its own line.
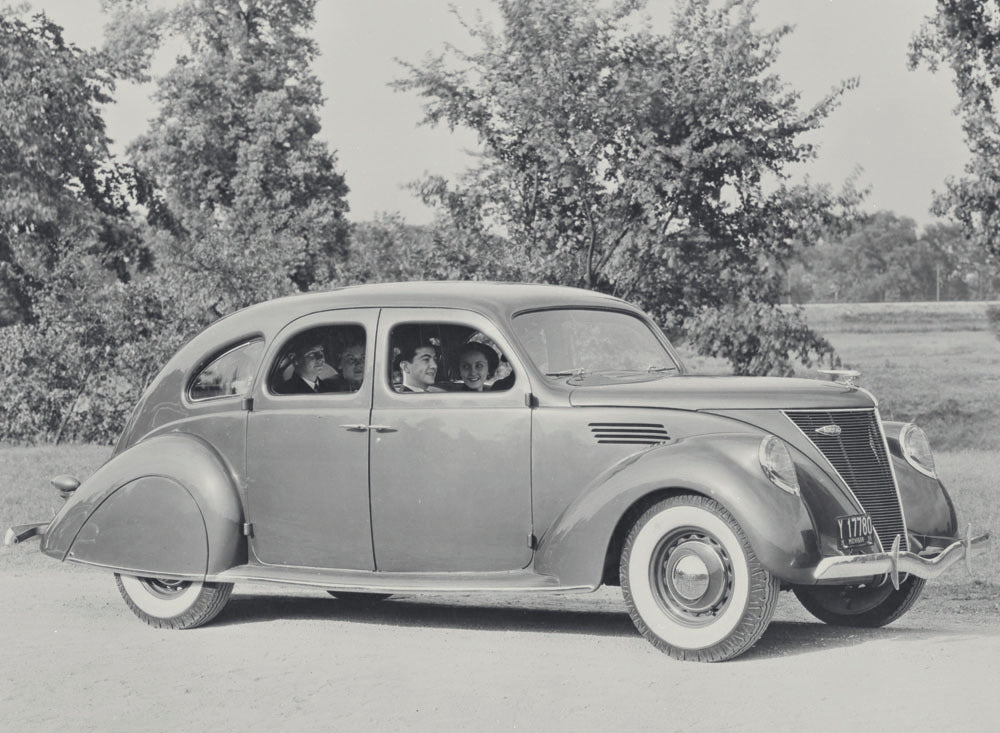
(307,457)
(450,467)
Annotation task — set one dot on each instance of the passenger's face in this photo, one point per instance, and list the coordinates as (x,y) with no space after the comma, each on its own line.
(473,369)
(352,363)
(309,362)
(422,371)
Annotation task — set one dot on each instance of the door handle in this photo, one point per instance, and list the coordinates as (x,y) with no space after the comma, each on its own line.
(359,428)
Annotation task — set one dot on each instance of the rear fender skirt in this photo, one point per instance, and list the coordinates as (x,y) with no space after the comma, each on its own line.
(167,505)
(724,467)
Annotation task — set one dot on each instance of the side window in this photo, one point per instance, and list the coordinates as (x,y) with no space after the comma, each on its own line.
(446,357)
(229,374)
(320,360)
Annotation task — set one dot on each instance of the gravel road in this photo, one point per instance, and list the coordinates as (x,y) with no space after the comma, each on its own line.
(279,658)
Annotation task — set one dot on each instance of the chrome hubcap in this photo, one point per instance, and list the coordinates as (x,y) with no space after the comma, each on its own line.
(691,576)
(164,587)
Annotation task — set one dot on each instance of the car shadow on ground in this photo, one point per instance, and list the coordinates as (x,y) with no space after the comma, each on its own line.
(417,612)
(782,637)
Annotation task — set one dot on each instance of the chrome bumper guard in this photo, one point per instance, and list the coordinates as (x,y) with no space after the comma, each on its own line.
(895,563)
(23,532)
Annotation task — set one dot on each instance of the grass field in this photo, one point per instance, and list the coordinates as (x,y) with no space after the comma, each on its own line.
(936,364)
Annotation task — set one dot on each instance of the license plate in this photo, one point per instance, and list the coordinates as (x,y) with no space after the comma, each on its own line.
(856,530)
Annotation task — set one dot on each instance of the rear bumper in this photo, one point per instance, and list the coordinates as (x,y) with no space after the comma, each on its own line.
(895,563)
(23,532)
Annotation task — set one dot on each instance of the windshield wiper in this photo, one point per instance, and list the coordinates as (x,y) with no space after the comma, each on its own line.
(567,373)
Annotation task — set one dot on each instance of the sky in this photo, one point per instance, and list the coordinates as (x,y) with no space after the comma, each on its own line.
(896,132)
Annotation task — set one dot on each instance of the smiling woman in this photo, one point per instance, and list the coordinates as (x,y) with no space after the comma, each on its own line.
(447,357)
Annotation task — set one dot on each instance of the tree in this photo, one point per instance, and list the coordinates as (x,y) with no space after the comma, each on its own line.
(243,201)
(248,203)
(67,239)
(62,194)
(388,249)
(885,259)
(967,270)
(650,166)
(965,36)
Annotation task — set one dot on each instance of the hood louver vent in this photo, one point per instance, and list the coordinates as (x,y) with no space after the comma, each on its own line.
(629,433)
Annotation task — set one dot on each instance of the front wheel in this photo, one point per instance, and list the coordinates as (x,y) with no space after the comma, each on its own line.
(862,606)
(693,586)
(173,604)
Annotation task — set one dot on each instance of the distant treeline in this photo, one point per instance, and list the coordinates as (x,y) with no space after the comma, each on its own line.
(884,259)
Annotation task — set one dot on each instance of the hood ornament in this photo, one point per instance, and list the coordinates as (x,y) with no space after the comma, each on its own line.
(831,430)
(846,377)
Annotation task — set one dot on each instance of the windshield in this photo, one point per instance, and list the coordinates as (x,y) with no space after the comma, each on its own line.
(592,346)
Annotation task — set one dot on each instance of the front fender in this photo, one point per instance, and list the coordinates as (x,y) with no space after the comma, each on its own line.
(166,506)
(724,467)
(928,508)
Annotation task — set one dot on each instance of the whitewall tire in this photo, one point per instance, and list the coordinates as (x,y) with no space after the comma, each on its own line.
(173,604)
(693,585)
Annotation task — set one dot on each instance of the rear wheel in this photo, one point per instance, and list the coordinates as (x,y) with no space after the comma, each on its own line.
(693,586)
(866,606)
(173,604)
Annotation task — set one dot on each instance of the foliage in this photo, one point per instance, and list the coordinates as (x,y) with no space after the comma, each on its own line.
(756,338)
(248,202)
(885,259)
(965,36)
(390,250)
(76,372)
(993,317)
(610,153)
(63,194)
(243,202)
(66,239)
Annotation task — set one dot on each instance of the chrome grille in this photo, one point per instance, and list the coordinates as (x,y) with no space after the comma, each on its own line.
(626,433)
(857,452)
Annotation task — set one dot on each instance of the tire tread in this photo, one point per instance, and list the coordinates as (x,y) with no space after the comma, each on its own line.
(764,589)
(211,600)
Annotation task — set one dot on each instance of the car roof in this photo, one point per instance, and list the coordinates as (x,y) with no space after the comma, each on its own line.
(488,296)
(498,301)
(491,298)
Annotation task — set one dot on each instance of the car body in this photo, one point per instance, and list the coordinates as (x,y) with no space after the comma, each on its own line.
(594,458)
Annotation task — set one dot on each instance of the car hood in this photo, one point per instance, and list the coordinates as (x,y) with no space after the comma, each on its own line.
(686,392)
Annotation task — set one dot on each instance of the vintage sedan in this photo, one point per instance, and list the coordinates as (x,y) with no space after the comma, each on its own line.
(429,437)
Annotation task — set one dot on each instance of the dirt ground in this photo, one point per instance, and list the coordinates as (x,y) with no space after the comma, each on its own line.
(277,658)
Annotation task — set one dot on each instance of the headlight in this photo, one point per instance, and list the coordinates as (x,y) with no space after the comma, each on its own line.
(917,449)
(777,464)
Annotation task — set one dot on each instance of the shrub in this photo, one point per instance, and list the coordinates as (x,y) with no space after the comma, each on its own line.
(993,316)
(757,338)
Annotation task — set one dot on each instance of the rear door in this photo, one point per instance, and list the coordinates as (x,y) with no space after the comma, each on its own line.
(307,454)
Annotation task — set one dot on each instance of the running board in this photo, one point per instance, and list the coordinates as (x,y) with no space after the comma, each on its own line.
(380,582)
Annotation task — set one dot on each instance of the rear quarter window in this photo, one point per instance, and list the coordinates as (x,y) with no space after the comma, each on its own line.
(229,373)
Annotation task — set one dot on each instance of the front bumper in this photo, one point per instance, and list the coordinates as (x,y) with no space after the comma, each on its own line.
(895,563)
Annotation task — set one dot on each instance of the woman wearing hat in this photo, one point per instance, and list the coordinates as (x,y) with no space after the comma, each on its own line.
(477,363)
